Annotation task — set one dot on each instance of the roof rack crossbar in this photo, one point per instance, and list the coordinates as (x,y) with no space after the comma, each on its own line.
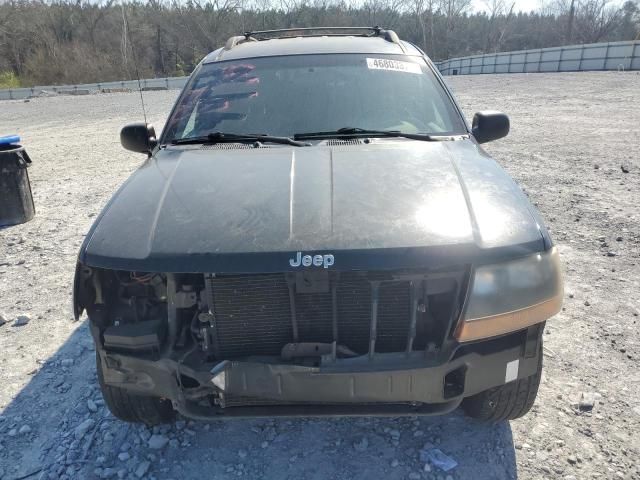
(308,29)
(388,35)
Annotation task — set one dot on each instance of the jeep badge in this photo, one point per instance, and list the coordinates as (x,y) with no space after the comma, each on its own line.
(307,260)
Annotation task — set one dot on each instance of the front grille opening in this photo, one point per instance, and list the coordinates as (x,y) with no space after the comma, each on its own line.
(354,312)
(313,315)
(257,315)
(454,383)
(252,314)
(393,317)
(434,314)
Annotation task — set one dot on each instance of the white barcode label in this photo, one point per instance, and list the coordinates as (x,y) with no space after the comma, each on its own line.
(393,65)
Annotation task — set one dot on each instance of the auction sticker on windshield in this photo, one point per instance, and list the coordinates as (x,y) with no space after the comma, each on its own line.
(393,65)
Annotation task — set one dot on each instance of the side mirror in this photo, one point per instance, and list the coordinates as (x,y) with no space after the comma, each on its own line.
(489,125)
(138,137)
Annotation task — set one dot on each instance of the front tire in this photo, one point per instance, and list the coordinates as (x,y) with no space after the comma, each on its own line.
(506,402)
(134,408)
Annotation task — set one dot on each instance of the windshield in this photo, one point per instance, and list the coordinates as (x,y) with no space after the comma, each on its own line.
(314,93)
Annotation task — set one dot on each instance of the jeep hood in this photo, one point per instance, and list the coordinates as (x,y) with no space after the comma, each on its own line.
(409,203)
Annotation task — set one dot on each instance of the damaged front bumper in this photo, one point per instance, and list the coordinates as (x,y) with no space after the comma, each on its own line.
(388,384)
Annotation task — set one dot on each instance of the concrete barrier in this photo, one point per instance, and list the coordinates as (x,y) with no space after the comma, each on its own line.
(148,84)
(571,58)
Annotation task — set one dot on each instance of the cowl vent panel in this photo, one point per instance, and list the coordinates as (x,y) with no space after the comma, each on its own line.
(333,142)
(231,146)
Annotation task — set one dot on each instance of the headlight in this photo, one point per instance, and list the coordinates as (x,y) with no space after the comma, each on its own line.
(510,296)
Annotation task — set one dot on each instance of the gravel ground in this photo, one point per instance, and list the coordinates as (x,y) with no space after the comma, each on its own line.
(573,148)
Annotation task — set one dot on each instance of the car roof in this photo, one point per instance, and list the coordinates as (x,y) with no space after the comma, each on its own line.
(312,45)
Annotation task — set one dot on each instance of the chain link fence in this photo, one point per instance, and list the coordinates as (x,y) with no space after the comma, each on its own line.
(573,58)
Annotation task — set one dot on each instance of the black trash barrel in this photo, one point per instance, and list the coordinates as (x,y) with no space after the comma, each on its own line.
(16,200)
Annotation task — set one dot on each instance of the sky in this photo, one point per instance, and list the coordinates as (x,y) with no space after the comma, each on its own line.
(521,5)
(524,5)
(527,5)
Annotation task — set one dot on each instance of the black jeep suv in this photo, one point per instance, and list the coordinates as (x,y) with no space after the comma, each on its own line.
(317,231)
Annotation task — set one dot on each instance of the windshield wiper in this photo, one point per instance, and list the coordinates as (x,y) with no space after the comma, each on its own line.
(221,137)
(363,132)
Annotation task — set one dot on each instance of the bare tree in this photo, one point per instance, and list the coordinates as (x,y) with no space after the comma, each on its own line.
(90,15)
(384,12)
(71,41)
(503,30)
(292,10)
(211,17)
(499,19)
(572,15)
(452,10)
(595,19)
(424,11)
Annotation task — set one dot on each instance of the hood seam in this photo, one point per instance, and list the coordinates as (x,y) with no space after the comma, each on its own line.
(475,231)
(292,175)
(165,190)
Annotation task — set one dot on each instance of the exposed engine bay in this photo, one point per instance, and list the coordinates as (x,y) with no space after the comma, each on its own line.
(291,316)
(201,326)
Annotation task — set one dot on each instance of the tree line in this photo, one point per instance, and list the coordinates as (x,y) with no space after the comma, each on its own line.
(81,41)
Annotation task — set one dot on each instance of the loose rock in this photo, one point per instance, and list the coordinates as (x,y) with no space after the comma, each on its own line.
(82,429)
(362,445)
(438,458)
(157,442)
(109,472)
(142,469)
(587,401)
(91,406)
(21,321)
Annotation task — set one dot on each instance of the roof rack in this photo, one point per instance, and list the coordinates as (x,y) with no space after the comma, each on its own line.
(259,35)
